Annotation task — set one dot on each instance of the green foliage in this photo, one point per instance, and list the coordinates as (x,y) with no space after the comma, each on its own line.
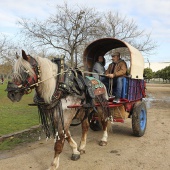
(20,139)
(16,116)
(10,143)
(148,74)
(164,73)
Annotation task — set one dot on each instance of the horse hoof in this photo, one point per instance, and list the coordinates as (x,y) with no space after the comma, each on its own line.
(102,143)
(75,157)
(82,152)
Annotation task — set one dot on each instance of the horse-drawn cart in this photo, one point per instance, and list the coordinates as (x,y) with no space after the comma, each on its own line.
(58,89)
(131,103)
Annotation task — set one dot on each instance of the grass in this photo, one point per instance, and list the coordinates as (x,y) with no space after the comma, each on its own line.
(20,139)
(10,143)
(16,116)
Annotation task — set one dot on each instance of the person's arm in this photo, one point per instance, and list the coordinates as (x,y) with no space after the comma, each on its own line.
(120,72)
(95,70)
(108,69)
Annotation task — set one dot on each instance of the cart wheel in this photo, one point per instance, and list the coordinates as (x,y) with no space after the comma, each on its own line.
(139,119)
(94,122)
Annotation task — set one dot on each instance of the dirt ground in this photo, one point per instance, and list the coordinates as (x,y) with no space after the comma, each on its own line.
(124,151)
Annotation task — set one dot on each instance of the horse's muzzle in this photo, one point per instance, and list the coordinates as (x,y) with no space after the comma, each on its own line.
(14,93)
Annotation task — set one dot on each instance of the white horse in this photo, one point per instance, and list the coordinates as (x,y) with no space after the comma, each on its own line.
(52,100)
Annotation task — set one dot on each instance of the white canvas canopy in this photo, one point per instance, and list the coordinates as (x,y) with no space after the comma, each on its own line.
(102,46)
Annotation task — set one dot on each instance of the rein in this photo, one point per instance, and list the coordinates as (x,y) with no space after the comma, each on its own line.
(88,72)
(63,72)
(36,84)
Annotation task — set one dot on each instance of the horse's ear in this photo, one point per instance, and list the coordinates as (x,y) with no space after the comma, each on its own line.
(24,56)
(17,56)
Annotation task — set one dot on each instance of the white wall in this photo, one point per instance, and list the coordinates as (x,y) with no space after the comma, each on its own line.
(157,66)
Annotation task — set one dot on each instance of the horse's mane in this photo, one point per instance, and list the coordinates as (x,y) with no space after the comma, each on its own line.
(19,66)
(48,70)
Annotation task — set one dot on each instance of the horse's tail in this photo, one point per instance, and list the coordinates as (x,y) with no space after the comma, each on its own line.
(102,100)
(106,112)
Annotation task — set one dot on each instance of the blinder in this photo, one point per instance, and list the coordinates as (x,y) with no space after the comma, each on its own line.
(26,82)
(11,87)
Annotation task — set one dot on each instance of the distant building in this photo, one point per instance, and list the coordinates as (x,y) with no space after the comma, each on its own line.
(155,66)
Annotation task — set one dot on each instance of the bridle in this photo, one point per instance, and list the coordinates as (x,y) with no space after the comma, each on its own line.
(28,82)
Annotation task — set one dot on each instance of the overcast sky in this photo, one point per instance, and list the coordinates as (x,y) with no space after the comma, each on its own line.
(150,15)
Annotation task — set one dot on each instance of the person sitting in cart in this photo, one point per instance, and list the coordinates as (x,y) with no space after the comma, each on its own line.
(99,67)
(114,76)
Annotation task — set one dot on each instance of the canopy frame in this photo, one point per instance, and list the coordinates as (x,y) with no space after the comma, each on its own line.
(102,46)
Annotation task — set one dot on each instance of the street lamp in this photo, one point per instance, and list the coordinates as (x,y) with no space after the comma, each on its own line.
(148,62)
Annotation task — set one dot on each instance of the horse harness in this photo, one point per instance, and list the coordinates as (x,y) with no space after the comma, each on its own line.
(69,82)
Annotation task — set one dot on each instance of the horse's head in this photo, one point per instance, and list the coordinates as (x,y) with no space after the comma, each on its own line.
(25,77)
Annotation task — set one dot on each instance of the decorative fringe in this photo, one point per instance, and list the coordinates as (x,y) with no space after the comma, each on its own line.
(52,123)
(47,120)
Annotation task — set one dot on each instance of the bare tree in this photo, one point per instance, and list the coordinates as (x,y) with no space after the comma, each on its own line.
(65,31)
(3,47)
(7,49)
(70,29)
(118,26)
(7,55)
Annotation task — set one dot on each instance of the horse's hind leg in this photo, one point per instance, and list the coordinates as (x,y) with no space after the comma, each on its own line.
(85,127)
(73,144)
(58,147)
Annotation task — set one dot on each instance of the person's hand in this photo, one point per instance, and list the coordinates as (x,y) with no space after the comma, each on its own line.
(110,75)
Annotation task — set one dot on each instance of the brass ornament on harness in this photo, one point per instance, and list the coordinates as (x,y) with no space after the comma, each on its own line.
(28,91)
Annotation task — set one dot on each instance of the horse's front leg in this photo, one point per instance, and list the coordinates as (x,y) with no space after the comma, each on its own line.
(58,147)
(103,141)
(75,153)
(85,127)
